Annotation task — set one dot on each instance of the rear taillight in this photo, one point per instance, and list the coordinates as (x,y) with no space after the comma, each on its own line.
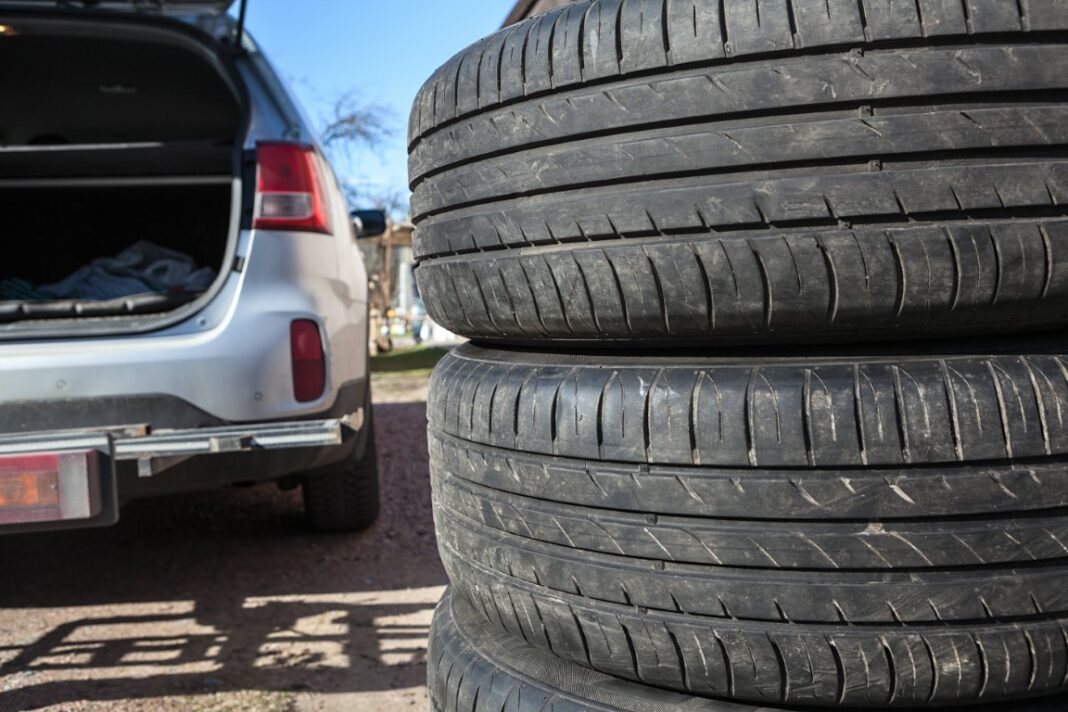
(289,188)
(49,487)
(309,365)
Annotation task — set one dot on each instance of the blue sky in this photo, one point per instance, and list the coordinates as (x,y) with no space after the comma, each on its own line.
(382,50)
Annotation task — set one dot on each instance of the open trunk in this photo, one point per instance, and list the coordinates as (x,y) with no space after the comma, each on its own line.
(120,160)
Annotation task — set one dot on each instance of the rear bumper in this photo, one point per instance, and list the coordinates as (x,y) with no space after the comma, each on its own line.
(131,462)
(155,410)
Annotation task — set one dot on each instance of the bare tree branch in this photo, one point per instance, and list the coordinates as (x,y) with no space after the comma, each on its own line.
(355,124)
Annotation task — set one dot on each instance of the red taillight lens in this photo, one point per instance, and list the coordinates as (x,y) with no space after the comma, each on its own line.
(289,189)
(309,365)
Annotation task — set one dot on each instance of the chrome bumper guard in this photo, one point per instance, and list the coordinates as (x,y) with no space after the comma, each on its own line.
(156,451)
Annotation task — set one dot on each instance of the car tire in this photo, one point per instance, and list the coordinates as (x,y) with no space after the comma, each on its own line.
(475,667)
(850,529)
(651,171)
(346,499)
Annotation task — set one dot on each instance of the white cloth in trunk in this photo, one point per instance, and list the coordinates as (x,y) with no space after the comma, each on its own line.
(141,268)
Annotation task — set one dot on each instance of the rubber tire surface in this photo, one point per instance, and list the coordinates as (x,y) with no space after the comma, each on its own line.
(346,500)
(655,171)
(655,520)
(475,667)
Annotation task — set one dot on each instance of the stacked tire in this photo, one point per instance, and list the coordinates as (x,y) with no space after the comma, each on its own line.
(766,400)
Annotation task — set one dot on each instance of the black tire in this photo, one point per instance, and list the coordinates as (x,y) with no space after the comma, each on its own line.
(475,667)
(753,410)
(649,171)
(828,571)
(346,499)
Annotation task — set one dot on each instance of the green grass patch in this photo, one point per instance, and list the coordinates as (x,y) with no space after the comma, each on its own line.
(408,359)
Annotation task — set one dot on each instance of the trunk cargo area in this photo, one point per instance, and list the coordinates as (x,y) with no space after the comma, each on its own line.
(119,156)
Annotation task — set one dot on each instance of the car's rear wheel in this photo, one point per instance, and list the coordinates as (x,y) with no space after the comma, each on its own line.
(345,500)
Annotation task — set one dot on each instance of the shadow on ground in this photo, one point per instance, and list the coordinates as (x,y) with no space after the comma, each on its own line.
(228,591)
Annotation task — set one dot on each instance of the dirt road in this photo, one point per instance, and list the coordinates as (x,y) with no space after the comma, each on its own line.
(224,601)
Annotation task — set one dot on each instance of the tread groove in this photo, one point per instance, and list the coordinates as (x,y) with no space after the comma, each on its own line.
(840,691)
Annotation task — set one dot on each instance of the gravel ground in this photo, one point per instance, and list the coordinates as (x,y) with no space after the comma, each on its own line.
(225,601)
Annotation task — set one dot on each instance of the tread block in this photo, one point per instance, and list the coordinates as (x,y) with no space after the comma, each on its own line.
(567,41)
(601,55)
(827,23)
(986,16)
(644,35)
(943,17)
(890,19)
(695,30)
(755,26)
